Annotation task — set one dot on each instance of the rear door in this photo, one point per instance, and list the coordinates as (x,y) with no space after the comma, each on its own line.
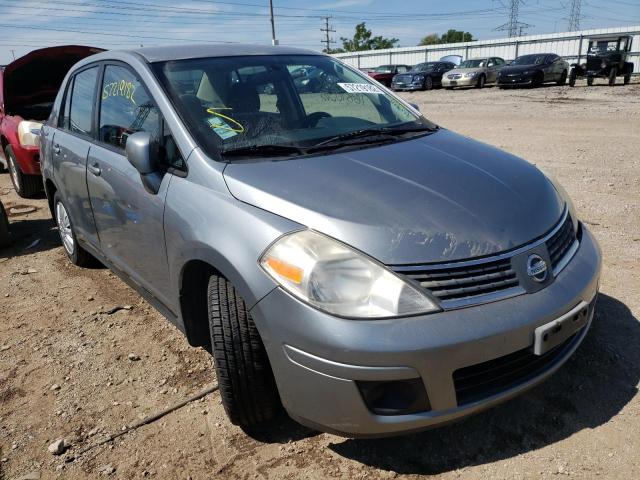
(70,147)
(129,219)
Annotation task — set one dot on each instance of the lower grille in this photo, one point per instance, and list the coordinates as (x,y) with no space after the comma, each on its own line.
(483,380)
(452,283)
(560,243)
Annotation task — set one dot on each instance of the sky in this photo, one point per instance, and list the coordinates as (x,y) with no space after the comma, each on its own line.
(29,24)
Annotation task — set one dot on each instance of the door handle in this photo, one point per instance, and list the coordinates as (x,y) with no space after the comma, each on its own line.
(95,169)
(56,149)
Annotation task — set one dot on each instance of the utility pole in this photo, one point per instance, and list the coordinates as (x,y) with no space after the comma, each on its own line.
(574,15)
(513,27)
(327,30)
(13,52)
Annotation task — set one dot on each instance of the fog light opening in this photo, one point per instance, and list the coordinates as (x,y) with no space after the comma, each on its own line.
(397,397)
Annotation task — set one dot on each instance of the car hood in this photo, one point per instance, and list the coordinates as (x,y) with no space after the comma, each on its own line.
(31,82)
(437,198)
(520,68)
(468,70)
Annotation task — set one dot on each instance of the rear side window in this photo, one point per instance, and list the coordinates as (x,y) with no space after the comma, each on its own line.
(126,108)
(82,101)
(64,118)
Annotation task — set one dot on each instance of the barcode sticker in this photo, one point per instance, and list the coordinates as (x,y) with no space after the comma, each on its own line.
(360,88)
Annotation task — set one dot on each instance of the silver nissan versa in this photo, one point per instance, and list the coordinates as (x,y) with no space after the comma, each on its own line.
(337,253)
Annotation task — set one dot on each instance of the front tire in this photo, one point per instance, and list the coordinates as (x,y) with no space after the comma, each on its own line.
(613,73)
(563,79)
(590,81)
(572,77)
(428,83)
(627,79)
(76,254)
(247,387)
(481,81)
(25,185)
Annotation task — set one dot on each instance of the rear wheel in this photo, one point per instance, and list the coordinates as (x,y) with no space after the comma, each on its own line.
(613,73)
(247,387)
(563,78)
(25,185)
(78,255)
(590,81)
(627,78)
(428,83)
(481,81)
(572,77)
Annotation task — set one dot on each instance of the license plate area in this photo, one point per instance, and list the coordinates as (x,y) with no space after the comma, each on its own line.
(552,334)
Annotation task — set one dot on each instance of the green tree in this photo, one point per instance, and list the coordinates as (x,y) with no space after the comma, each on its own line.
(363,39)
(431,39)
(456,36)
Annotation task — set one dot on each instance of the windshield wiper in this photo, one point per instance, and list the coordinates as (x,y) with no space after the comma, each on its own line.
(267,150)
(369,135)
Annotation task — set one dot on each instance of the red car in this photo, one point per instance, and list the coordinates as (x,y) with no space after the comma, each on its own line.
(28,87)
(385,73)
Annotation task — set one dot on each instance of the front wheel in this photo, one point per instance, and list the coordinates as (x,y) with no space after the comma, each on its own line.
(627,79)
(613,73)
(590,81)
(25,185)
(563,79)
(481,81)
(428,83)
(572,77)
(247,387)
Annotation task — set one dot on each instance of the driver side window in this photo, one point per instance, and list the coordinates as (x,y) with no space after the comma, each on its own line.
(127,108)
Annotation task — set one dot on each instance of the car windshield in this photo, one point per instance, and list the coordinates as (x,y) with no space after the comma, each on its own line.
(529,60)
(475,63)
(424,67)
(382,69)
(260,102)
(603,46)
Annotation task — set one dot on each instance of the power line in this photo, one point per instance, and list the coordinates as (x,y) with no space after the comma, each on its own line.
(513,27)
(574,15)
(327,30)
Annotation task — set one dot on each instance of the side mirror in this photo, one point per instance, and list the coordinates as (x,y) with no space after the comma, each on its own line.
(139,154)
(415,106)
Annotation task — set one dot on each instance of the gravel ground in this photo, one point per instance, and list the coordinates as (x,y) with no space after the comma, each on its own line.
(66,369)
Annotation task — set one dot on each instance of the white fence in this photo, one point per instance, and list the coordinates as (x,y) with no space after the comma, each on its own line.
(570,45)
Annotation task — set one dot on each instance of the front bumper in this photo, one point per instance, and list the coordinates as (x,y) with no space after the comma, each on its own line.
(317,358)
(518,80)
(459,82)
(406,86)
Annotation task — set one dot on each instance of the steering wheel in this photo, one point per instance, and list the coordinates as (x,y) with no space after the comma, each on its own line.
(313,119)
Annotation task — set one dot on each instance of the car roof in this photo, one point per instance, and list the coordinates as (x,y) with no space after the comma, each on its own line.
(180,52)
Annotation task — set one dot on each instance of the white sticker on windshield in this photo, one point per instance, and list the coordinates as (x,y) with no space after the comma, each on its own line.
(360,88)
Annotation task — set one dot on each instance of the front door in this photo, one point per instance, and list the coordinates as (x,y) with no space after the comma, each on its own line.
(129,219)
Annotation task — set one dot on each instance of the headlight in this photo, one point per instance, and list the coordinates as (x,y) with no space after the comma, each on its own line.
(417,78)
(603,65)
(29,133)
(471,74)
(527,72)
(337,279)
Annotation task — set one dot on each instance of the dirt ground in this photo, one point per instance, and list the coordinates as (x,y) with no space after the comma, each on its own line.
(66,372)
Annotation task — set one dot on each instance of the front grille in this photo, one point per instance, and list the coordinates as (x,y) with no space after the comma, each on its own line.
(403,78)
(483,380)
(454,283)
(454,76)
(560,243)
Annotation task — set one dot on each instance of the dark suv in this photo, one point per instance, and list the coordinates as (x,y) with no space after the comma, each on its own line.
(606,58)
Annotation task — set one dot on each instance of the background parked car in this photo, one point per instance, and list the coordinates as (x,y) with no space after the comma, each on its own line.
(475,72)
(385,73)
(606,58)
(28,87)
(534,70)
(4,227)
(423,76)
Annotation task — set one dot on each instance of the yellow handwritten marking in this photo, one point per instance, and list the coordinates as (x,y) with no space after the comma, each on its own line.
(120,88)
(212,111)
